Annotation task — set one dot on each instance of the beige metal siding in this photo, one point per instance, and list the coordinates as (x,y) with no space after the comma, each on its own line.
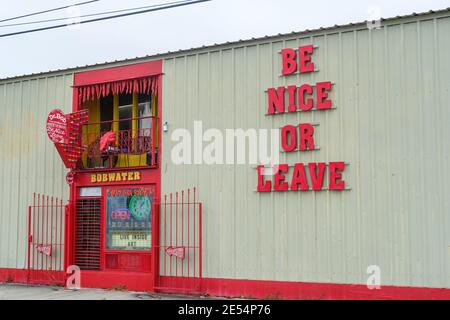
(391,124)
(29,162)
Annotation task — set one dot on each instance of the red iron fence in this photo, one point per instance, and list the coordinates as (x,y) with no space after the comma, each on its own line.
(45,255)
(181,242)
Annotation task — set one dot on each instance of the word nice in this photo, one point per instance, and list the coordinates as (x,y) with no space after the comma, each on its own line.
(303,177)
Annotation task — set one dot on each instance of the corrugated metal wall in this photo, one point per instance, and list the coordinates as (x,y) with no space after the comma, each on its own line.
(29,162)
(391,124)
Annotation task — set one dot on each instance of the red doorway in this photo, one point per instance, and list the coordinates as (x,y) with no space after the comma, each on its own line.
(113,228)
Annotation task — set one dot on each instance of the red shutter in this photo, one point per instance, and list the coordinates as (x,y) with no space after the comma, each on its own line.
(87,242)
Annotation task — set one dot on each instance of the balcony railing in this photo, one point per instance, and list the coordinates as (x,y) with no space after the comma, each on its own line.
(114,148)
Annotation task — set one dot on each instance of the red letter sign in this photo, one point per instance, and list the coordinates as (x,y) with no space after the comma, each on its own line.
(263,186)
(306,137)
(289,138)
(305,89)
(305,59)
(335,177)
(276,100)
(289,61)
(279,179)
(322,95)
(299,178)
(317,177)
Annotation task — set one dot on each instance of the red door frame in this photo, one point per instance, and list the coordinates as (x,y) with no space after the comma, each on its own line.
(149,176)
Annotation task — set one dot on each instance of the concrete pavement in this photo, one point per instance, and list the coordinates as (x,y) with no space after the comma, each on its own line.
(23,292)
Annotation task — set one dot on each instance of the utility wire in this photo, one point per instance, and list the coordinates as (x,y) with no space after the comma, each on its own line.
(50,10)
(105,18)
(90,15)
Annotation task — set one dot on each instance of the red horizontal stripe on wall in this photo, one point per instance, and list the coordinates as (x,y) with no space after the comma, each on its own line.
(256,289)
(301,290)
(36,277)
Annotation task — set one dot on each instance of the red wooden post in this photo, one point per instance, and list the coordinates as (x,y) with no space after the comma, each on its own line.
(67,242)
(46,231)
(38,238)
(153,162)
(189,233)
(171,225)
(33,214)
(61,215)
(182,228)
(165,233)
(155,246)
(29,242)
(51,232)
(195,245)
(176,231)
(200,241)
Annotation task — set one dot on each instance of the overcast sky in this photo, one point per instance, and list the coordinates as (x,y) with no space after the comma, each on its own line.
(180,28)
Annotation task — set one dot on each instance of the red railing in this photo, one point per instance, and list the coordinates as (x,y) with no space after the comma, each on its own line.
(137,141)
(181,242)
(45,254)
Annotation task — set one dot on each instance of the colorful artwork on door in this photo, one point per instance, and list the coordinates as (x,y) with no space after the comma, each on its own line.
(129,218)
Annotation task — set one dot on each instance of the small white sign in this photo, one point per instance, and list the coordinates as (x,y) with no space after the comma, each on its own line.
(91,192)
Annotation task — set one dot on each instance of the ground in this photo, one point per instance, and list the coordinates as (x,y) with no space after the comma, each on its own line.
(22,292)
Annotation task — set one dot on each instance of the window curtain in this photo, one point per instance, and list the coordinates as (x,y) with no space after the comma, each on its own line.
(146,85)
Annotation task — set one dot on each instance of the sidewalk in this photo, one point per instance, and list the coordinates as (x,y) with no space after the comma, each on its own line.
(22,292)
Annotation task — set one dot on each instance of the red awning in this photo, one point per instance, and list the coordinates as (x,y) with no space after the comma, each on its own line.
(147,85)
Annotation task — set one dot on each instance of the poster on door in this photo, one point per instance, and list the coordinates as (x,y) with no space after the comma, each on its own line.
(129,218)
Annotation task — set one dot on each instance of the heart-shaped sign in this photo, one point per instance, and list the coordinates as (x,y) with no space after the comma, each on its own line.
(57,126)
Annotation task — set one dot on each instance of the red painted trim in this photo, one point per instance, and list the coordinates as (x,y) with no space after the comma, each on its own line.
(133,71)
(238,288)
(34,277)
(298,290)
(75,99)
(133,281)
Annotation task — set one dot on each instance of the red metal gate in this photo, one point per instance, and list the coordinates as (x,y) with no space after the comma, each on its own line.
(45,255)
(180,243)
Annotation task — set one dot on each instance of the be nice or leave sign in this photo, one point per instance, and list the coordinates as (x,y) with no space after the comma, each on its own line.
(300,137)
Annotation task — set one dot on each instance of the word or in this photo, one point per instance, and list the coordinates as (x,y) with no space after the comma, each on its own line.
(304,140)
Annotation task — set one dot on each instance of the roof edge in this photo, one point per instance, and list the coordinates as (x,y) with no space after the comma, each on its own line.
(218,45)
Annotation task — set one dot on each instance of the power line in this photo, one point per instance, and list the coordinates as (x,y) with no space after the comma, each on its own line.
(49,10)
(89,15)
(105,18)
